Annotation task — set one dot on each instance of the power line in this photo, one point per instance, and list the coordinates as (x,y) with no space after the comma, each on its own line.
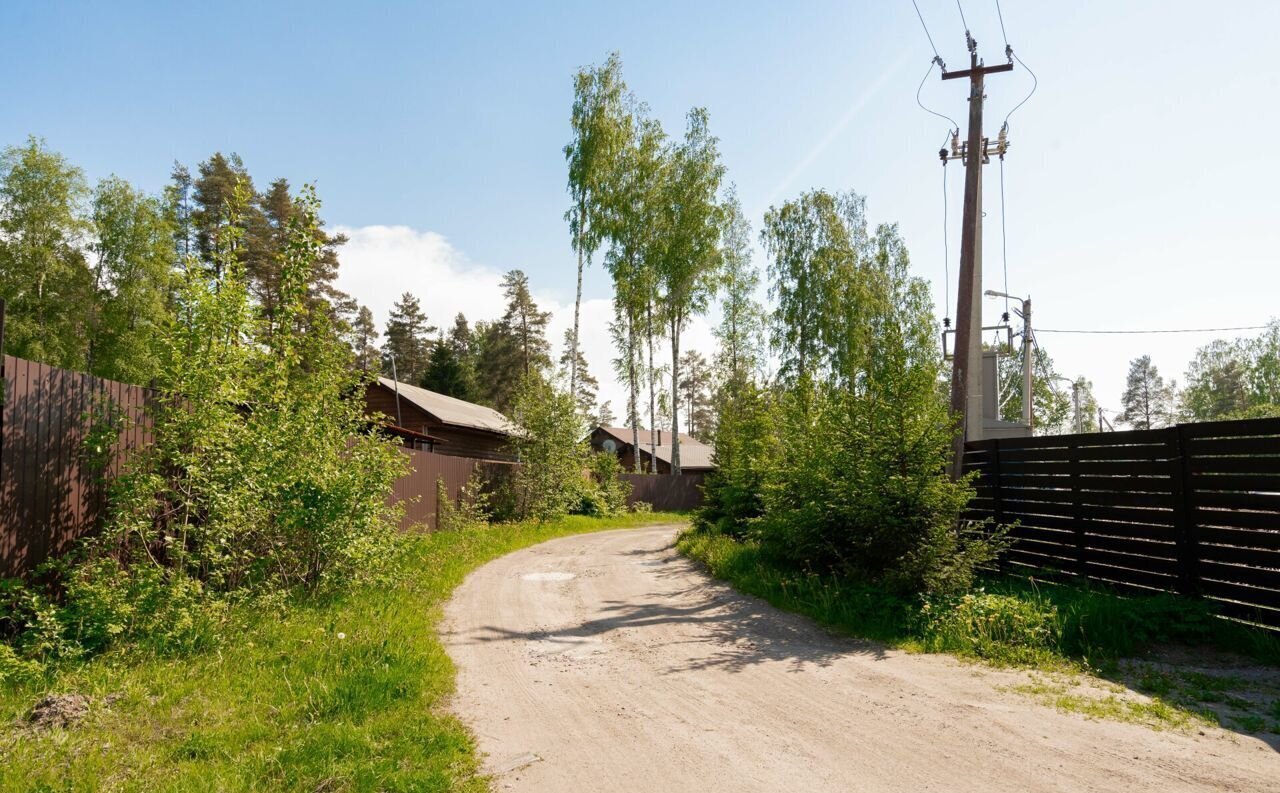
(1004,35)
(1173,330)
(962,19)
(1035,83)
(926,31)
(920,88)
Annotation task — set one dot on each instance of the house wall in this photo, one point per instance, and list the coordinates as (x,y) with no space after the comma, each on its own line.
(454,441)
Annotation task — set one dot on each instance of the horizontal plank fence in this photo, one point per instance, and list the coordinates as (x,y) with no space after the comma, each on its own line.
(1192,509)
(52,491)
(666,492)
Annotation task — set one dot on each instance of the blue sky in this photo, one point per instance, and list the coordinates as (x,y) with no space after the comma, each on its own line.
(1141,186)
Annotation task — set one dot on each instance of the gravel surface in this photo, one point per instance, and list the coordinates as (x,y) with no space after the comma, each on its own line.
(607,662)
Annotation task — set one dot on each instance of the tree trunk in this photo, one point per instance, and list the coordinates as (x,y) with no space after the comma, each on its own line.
(633,378)
(577,309)
(653,394)
(675,396)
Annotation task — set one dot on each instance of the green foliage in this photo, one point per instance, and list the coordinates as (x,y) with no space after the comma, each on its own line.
(607,494)
(1232,380)
(408,345)
(745,441)
(43,273)
(260,477)
(551,448)
(469,510)
(1008,620)
(1148,402)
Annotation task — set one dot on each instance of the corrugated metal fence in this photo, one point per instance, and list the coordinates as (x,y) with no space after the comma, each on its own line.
(666,492)
(1193,509)
(51,492)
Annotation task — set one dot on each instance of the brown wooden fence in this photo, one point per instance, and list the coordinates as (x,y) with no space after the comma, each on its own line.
(50,491)
(1193,509)
(666,492)
(418,489)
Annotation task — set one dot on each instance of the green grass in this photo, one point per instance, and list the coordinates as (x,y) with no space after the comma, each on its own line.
(1021,623)
(343,693)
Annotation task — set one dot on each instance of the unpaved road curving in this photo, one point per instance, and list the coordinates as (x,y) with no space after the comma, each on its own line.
(607,662)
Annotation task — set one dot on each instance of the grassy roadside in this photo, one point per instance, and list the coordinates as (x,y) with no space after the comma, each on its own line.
(1059,631)
(333,694)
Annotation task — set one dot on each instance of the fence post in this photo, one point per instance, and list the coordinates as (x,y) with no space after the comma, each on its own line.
(1184,524)
(1077,509)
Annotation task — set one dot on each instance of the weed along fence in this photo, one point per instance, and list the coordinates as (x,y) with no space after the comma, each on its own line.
(419,489)
(51,489)
(1193,509)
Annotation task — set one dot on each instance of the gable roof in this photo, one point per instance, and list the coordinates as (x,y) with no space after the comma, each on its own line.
(450,410)
(623,435)
(694,454)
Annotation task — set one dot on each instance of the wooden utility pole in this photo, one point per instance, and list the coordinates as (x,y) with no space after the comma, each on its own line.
(966,375)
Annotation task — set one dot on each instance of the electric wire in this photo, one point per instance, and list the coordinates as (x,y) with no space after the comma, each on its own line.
(946,249)
(962,19)
(1004,240)
(1035,83)
(1168,330)
(1003,34)
(920,88)
(926,30)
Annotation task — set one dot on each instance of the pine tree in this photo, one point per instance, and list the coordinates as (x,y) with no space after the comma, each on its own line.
(605,417)
(525,324)
(588,386)
(451,370)
(212,197)
(1147,401)
(695,394)
(408,341)
(363,335)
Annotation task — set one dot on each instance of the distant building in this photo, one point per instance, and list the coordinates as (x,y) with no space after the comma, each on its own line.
(695,456)
(439,423)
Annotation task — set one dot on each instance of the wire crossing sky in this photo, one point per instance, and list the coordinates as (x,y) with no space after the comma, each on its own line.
(1140,185)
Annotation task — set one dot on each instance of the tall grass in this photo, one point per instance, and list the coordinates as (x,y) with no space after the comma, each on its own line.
(1006,620)
(337,693)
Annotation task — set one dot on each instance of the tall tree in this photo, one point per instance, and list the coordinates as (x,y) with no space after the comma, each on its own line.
(408,341)
(741,329)
(525,324)
(43,273)
(817,245)
(696,384)
(133,264)
(1147,400)
(211,216)
(605,416)
(451,370)
(177,197)
(363,335)
(600,131)
(687,271)
(572,360)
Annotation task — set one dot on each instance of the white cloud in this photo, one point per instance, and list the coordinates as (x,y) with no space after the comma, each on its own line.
(379,263)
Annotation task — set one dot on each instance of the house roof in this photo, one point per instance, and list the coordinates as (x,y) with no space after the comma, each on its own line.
(450,410)
(694,454)
(623,434)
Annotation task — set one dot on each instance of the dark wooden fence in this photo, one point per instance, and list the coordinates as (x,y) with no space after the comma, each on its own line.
(419,492)
(1193,509)
(51,490)
(666,492)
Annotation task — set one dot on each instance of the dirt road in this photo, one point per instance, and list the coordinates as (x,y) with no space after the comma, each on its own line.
(606,662)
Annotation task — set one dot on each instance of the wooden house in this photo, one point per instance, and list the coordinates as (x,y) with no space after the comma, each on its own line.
(440,423)
(695,456)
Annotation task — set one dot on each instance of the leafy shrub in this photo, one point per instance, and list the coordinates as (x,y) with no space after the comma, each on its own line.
(469,510)
(744,441)
(551,479)
(997,627)
(260,476)
(642,507)
(606,493)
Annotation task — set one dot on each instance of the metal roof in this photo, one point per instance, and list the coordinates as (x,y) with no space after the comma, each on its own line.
(450,410)
(694,454)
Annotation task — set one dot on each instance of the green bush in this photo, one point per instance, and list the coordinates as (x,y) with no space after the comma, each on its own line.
(997,627)
(260,476)
(470,510)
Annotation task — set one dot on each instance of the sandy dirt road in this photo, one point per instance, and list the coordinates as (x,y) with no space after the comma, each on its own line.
(607,662)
